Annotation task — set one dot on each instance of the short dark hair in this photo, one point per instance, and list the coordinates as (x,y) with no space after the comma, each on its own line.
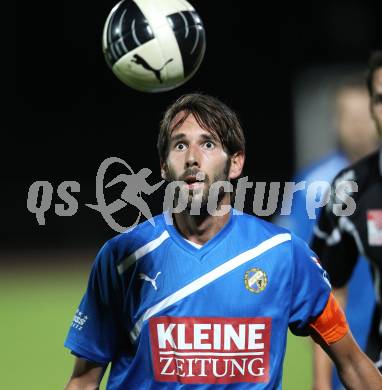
(211,114)
(375,62)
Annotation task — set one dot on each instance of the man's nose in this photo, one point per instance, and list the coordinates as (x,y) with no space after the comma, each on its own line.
(193,156)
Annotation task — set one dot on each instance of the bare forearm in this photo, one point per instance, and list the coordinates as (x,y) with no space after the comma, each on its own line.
(360,375)
(322,369)
(356,370)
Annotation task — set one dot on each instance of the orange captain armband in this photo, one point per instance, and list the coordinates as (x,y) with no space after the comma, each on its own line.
(331,324)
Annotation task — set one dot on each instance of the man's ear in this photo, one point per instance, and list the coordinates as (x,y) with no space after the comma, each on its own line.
(237,164)
(371,108)
(163,170)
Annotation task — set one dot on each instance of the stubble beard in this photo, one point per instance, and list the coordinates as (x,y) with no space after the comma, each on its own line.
(197,199)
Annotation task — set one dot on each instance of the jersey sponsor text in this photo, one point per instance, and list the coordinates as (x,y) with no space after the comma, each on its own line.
(210,350)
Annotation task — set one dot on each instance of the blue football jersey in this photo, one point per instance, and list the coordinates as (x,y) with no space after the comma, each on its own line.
(169,315)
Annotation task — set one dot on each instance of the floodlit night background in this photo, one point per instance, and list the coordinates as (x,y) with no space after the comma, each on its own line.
(72,112)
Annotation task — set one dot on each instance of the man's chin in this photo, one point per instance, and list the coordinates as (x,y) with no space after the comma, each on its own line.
(194,197)
(196,203)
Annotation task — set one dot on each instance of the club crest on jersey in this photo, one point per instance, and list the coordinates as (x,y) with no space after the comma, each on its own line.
(255,280)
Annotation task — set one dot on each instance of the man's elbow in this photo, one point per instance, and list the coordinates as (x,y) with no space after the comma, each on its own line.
(78,383)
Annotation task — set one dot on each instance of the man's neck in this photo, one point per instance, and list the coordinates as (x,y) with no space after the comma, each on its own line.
(202,228)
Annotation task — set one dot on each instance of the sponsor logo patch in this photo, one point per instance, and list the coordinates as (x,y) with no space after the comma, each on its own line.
(79,320)
(217,350)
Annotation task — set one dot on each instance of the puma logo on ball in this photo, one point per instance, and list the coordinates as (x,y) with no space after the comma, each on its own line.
(141,61)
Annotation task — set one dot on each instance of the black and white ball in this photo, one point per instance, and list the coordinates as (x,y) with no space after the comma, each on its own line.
(154,45)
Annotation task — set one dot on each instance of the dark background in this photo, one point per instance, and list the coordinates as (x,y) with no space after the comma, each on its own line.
(71,112)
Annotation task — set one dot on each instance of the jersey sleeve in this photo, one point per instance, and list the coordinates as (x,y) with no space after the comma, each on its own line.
(310,288)
(96,325)
(331,324)
(334,242)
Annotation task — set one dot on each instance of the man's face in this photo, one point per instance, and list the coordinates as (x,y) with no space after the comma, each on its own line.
(376,100)
(356,128)
(196,157)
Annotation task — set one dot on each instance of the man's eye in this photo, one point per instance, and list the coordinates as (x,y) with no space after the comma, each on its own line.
(209,145)
(180,146)
(377,98)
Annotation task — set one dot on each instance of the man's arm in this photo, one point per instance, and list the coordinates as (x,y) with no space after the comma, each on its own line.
(322,369)
(355,369)
(332,245)
(331,331)
(86,375)
(322,365)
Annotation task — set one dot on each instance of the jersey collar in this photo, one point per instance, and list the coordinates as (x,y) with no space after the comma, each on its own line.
(198,252)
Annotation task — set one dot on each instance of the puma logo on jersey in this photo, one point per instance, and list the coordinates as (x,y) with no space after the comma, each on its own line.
(148,279)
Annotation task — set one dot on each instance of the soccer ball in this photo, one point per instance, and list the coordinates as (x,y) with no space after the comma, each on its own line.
(154,45)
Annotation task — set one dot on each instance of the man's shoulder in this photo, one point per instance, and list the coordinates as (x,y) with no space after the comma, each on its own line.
(366,169)
(324,168)
(259,226)
(272,236)
(137,236)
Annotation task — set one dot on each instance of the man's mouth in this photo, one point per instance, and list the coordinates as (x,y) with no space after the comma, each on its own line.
(194,181)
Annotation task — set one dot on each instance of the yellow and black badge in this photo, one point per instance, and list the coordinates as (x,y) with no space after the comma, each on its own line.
(255,280)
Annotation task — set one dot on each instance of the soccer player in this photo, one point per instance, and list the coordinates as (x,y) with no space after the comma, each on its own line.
(357,138)
(205,296)
(339,240)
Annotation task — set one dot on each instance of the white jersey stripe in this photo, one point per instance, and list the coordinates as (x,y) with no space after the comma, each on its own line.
(347,225)
(331,239)
(209,278)
(142,251)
